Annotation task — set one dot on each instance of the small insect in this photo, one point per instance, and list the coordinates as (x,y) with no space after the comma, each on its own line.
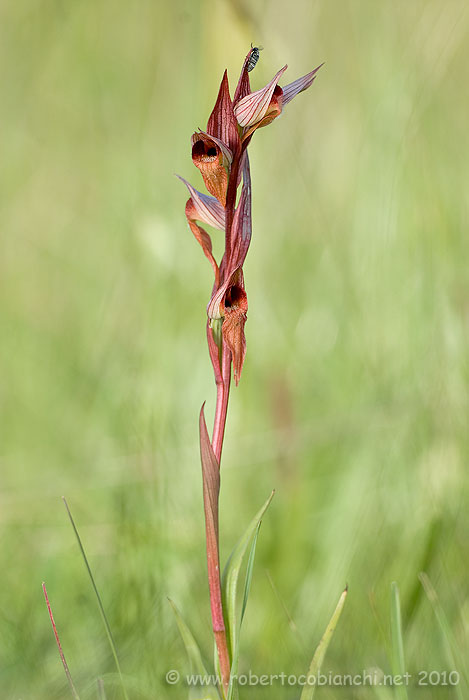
(254,57)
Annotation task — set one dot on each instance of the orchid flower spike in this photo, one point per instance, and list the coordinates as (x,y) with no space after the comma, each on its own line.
(220,153)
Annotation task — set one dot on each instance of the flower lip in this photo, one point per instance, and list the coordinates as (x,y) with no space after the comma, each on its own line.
(235,315)
(204,151)
(235,297)
(214,144)
(212,162)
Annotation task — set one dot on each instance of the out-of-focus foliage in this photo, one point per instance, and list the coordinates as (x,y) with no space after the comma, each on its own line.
(354,397)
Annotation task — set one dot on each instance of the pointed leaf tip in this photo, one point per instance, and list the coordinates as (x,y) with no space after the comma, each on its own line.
(232,571)
(321,649)
(210,466)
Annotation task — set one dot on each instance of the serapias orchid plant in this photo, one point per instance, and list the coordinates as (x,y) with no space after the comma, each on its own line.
(220,153)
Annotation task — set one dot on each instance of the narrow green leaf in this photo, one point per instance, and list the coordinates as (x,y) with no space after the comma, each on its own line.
(208,692)
(231,573)
(436,532)
(320,653)
(100,604)
(249,570)
(233,687)
(398,659)
(448,638)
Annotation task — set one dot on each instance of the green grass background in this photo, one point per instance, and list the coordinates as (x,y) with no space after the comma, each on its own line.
(354,397)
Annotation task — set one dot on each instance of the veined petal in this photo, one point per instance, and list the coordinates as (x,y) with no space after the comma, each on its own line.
(201,207)
(205,208)
(205,241)
(243,87)
(222,122)
(273,111)
(252,108)
(227,154)
(241,228)
(293,89)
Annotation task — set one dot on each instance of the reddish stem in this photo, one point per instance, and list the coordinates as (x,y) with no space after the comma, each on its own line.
(222,372)
(56,635)
(223,657)
(213,568)
(223,394)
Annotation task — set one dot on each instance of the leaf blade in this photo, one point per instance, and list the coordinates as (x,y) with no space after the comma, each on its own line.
(98,598)
(231,573)
(321,649)
(195,659)
(232,689)
(445,628)
(398,657)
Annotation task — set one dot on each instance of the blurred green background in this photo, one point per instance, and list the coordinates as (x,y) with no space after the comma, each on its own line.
(354,397)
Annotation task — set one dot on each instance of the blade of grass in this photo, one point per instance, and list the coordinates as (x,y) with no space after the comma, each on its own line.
(62,656)
(434,536)
(232,688)
(98,598)
(231,574)
(445,628)
(320,653)
(249,570)
(195,659)
(398,658)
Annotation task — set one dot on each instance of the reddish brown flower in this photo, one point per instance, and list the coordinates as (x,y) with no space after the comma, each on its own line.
(220,153)
(259,108)
(235,306)
(212,158)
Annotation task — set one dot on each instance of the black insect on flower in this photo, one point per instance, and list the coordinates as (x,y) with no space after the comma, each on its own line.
(254,57)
